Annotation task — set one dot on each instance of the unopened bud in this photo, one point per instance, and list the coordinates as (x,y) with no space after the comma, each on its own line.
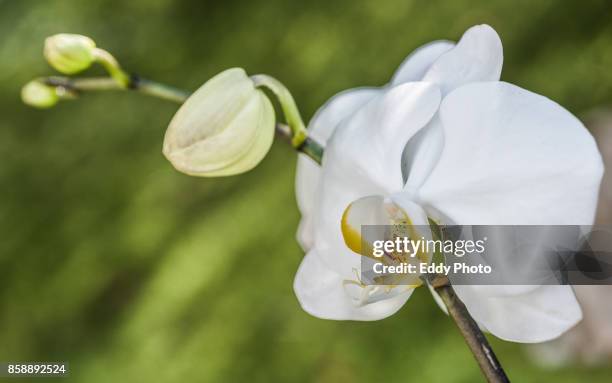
(39,95)
(226,127)
(69,53)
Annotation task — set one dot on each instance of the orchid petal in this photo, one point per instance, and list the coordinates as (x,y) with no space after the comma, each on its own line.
(421,155)
(363,158)
(478,56)
(537,316)
(308,172)
(512,157)
(414,67)
(325,294)
(371,142)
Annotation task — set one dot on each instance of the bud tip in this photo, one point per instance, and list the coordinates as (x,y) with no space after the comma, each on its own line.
(39,95)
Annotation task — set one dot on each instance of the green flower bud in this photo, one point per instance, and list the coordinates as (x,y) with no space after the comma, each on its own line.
(39,95)
(69,53)
(226,127)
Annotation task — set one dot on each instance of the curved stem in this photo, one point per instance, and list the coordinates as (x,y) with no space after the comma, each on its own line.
(111,65)
(287,103)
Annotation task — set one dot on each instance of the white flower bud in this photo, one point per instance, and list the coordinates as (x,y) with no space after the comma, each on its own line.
(69,53)
(39,95)
(226,127)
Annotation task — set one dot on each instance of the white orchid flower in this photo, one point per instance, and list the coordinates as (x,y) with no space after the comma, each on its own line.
(444,139)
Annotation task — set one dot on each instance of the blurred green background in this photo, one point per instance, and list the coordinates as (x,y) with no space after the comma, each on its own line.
(131,271)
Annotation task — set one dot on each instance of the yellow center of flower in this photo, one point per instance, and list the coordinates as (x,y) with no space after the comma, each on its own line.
(397,224)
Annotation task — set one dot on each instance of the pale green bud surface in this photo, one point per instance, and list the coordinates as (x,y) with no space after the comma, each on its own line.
(226,127)
(69,53)
(39,95)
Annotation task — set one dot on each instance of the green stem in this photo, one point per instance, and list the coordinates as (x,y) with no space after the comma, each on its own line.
(158,90)
(80,85)
(309,147)
(312,149)
(287,103)
(113,68)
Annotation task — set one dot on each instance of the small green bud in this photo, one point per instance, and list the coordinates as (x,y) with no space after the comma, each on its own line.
(39,95)
(226,127)
(69,53)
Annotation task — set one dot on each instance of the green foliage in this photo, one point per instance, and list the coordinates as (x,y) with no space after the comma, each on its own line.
(130,271)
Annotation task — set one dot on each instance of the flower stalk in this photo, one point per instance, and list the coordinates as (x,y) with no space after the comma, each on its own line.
(156,89)
(135,83)
(77,86)
(473,336)
(296,132)
(111,65)
(287,103)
